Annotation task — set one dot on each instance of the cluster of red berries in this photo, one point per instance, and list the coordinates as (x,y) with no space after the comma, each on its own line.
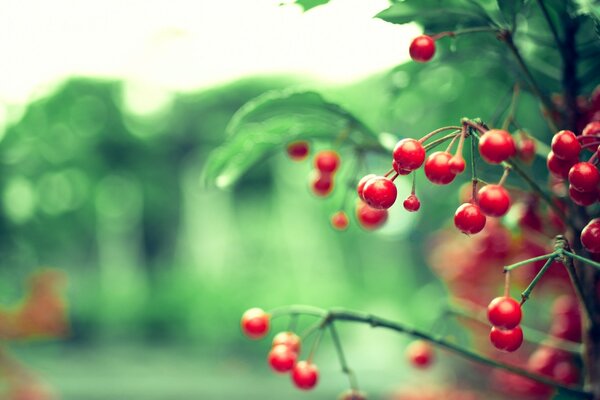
(283,357)
(563,162)
(504,313)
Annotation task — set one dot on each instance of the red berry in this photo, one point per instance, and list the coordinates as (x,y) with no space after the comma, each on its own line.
(591,129)
(469,219)
(457,165)
(289,339)
(584,176)
(305,375)
(339,220)
(298,150)
(370,218)
(327,161)
(566,373)
(544,359)
(590,236)
(282,358)
(399,170)
(504,312)
(558,167)
(322,184)
(565,145)
(409,154)
(496,145)
(437,168)
(420,354)
(422,48)
(506,340)
(361,185)
(380,192)
(583,199)
(526,149)
(412,203)
(255,323)
(494,200)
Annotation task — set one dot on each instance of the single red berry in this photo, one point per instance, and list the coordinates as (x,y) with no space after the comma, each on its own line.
(282,358)
(370,218)
(289,339)
(583,199)
(339,220)
(469,219)
(591,129)
(544,359)
(496,145)
(255,323)
(493,200)
(409,154)
(558,167)
(420,354)
(506,340)
(298,151)
(584,176)
(399,170)
(457,165)
(322,184)
(412,203)
(504,312)
(361,184)
(422,48)
(380,192)
(352,394)
(566,373)
(305,375)
(565,305)
(327,161)
(437,168)
(565,145)
(526,149)
(590,236)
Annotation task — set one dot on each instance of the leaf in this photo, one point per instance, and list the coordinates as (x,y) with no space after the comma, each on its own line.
(308,4)
(591,9)
(510,8)
(266,124)
(564,395)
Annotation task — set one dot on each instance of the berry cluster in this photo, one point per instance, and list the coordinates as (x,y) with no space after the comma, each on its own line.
(504,313)
(327,163)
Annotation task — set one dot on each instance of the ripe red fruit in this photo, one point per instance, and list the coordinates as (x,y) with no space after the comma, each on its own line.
(422,48)
(437,168)
(339,220)
(506,340)
(584,176)
(469,219)
(496,145)
(282,358)
(590,236)
(494,200)
(370,218)
(399,170)
(380,192)
(409,154)
(298,150)
(591,129)
(565,145)
(361,185)
(412,203)
(583,199)
(289,339)
(544,359)
(457,165)
(322,184)
(327,161)
(558,167)
(566,373)
(255,323)
(305,375)
(526,150)
(504,312)
(420,354)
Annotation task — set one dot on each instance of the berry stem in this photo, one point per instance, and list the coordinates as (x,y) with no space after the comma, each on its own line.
(531,260)
(506,283)
(474,179)
(317,340)
(435,132)
(342,358)
(414,183)
(510,117)
(466,31)
(463,134)
(293,323)
(582,259)
(452,143)
(389,172)
(431,145)
(504,175)
(525,294)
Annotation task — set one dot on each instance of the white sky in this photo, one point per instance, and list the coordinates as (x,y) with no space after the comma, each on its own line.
(188,44)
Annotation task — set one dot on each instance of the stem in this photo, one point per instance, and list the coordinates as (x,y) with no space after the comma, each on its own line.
(506,283)
(504,176)
(525,294)
(342,358)
(433,133)
(510,117)
(465,31)
(431,145)
(298,310)
(531,260)
(414,183)
(452,143)
(317,340)
(582,259)
(474,179)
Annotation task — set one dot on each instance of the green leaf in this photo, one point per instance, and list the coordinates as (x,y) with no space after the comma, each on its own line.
(564,395)
(266,124)
(308,4)
(510,8)
(591,9)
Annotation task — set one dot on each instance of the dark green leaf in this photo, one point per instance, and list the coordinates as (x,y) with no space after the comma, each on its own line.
(267,123)
(510,8)
(308,4)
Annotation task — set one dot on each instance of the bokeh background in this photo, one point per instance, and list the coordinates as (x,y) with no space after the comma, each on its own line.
(108,112)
